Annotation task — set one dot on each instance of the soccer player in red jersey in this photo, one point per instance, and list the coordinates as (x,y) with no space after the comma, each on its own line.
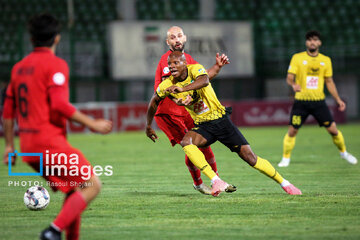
(38,96)
(174,120)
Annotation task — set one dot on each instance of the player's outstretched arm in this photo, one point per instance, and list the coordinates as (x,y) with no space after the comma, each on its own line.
(153,105)
(290,79)
(200,82)
(329,81)
(98,125)
(60,103)
(221,60)
(8,125)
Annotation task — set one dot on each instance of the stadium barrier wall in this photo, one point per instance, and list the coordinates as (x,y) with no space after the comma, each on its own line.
(132,116)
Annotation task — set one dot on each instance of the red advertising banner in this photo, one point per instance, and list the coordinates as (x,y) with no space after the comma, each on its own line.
(272,113)
(132,116)
(125,117)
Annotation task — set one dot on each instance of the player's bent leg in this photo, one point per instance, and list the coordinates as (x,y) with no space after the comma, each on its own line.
(210,158)
(74,205)
(91,188)
(196,175)
(175,127)
(265,167)
(194,171)
(190,144)
(338,140)
(288,146)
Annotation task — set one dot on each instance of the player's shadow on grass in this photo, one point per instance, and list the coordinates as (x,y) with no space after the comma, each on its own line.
(169,194)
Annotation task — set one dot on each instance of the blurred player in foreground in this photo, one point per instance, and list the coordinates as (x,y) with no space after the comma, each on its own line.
(307,73)
(38,96)
(174,120)
(189,85)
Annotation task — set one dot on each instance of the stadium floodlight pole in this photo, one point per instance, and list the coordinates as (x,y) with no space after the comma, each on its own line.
(71,20)
(70,10)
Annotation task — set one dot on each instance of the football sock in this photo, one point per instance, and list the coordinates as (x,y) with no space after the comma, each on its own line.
(266,168)
(216,177)
(198,159)
(54,228)
(288,145)
(73,230)
(339,141)
(210,158)
(74,205)
(285,183)
(194,171)
(343,154)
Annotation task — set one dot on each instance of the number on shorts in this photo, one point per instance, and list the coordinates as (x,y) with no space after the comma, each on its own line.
(296,120)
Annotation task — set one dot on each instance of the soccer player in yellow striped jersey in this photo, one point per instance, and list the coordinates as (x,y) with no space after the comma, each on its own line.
(189,86)
(308,72)
(206,106)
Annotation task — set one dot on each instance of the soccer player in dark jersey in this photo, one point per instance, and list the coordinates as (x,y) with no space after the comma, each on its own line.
(308,72)
(174,120)
(38,96)
(189,85)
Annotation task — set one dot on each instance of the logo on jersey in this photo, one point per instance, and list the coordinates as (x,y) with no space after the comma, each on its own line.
(322,63)
(304,62)
(315,69)
(201,70)
(59,78)
(312,82)
(166,70)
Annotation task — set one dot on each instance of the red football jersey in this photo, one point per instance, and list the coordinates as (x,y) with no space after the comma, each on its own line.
(167,106)
(29,94)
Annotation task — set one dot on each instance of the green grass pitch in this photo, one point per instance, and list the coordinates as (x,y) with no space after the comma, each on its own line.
(150,194)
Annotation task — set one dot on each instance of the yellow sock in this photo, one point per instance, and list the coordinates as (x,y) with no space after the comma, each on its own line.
(288,145)
(339,141)
(198,159)
(266,168)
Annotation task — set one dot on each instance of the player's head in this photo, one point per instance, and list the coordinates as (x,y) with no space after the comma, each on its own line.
(44,30)
(176,39)
(177,65)
(313,41)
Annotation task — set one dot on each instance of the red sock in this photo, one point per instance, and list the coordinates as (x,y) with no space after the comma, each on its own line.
(73,230)
(210,158)
(74,205)
(194,171)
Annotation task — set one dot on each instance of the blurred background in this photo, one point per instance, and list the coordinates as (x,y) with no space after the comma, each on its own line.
(113,48)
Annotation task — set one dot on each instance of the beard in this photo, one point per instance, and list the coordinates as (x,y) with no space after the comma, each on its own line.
(313,49)
(178,48)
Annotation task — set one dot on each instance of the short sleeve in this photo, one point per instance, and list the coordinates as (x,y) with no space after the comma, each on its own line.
(58,74)
(160,91)
(157,76)
(293,65)
(328,69)
(198,70)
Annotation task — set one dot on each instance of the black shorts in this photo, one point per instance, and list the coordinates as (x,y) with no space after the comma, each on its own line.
(302,109)
(223,130)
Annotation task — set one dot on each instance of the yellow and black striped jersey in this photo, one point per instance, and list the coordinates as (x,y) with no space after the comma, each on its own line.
(310,75)
(205,106)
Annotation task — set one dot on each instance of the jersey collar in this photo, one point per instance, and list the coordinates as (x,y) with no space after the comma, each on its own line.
(42,49)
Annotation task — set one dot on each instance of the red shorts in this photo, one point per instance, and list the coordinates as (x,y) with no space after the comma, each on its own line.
(174,127)
(63,171)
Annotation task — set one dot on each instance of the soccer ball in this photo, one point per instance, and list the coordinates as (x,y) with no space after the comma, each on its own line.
(36,198)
